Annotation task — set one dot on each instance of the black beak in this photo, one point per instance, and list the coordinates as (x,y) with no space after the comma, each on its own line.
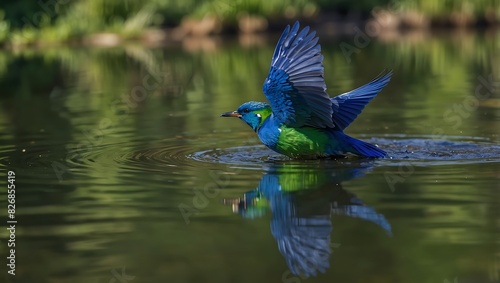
(231,114)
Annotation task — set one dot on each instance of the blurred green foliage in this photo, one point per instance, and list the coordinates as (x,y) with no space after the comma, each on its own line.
(68,91)
(445,7)
(62,20)
(448,67)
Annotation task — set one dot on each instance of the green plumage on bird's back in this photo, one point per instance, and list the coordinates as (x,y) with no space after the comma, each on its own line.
(306,142)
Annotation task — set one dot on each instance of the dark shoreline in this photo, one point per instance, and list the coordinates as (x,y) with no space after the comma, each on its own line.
(381,22)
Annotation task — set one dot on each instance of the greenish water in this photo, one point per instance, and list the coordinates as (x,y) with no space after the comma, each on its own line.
(126,173)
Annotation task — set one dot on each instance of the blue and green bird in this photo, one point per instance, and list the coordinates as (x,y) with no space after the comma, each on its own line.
(301,120)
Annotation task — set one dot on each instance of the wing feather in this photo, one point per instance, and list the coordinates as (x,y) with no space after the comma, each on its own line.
(295,86)
(346,107)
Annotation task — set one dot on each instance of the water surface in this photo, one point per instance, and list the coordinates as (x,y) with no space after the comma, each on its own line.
(126,172)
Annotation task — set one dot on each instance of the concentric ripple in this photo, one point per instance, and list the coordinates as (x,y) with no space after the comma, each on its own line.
(140,155)
(157,156)
(420,150)
(239,155)
(181,154)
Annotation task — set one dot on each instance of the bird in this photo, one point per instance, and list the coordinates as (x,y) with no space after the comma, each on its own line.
(301,120)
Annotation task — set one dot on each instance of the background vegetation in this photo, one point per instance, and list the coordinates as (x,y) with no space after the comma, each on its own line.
(48,21)
(111,211)
(119,205)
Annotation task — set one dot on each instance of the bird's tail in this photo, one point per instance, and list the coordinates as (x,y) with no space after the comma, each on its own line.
(362,148)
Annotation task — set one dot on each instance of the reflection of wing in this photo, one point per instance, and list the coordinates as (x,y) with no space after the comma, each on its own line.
(304,242)
(359,210)
(295,86)
(301,203)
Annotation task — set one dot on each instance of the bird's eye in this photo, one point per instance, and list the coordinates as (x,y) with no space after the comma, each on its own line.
(246,110)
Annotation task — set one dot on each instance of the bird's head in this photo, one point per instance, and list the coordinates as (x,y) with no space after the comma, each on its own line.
(253,113)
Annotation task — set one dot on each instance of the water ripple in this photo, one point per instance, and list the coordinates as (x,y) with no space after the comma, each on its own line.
(181,154)
(419,150)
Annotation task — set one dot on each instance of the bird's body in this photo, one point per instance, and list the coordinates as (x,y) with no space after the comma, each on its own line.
(306,142)
(302,121)
(303,142)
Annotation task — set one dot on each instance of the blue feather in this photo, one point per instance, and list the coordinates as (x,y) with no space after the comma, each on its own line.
(362,148)
(342,143)
(346,107)
(295,86)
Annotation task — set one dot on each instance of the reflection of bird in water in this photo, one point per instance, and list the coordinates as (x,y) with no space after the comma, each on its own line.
(302,203)
(301,120)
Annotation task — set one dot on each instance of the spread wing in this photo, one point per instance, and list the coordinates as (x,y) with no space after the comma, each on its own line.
(295,86)
(346,107)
